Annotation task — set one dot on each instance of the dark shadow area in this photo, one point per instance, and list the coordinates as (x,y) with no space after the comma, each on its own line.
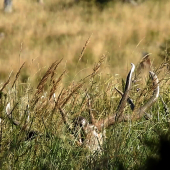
(160,153)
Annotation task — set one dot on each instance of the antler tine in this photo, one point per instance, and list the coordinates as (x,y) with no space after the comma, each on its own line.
(118,117)
(122,102)
(142,110)
(129,100)
(154,97)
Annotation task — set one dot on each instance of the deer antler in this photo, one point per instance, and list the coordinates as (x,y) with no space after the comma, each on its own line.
(142,109)
(140,112)
(122,102)
(118,116)
(129,100)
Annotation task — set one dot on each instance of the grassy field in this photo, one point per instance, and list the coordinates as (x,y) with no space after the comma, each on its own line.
(128,144)
(112,38)
(59,29)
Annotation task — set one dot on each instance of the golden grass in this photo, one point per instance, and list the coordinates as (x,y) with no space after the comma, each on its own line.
(58,30)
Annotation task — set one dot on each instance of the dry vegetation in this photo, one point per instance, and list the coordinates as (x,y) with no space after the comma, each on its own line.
(40,34)
(62,47)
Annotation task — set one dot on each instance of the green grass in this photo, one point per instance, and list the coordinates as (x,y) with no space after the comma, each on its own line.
(126,145)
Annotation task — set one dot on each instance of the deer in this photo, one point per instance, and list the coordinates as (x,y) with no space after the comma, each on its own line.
(93,135)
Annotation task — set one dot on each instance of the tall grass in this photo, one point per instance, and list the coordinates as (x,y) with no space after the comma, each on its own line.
(52,146)
(40,36)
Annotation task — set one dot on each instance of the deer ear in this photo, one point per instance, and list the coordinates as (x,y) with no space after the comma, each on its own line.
(8,109)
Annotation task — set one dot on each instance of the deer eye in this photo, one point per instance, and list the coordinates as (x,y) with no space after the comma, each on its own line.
(95,128)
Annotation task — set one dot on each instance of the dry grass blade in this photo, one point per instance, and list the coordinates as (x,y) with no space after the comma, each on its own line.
(63,115)
(96,68)
(90,109)
(98,65)
(75,88)
(55,84)
(6,83)
(84,48)
(62,103)
(164,64)
(46,75)
(65,120)
(75,101)
(166,109)
(52,74)
(58,98)
(17,75)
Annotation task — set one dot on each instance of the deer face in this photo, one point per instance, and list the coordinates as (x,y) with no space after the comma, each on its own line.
(89,135)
